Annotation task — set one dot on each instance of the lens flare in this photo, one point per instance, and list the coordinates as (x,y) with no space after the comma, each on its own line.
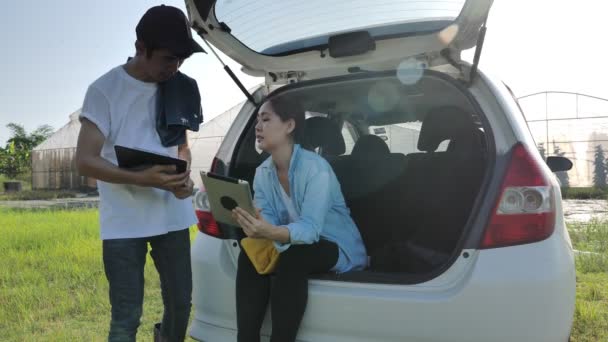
(410,71)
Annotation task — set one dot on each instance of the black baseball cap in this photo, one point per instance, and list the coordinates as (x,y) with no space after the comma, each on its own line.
(167,27)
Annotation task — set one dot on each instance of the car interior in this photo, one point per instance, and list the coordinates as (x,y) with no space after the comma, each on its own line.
(410,160)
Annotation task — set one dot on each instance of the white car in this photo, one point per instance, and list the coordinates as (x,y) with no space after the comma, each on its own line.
(461,217)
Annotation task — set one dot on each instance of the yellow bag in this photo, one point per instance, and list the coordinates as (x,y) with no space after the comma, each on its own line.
(262,254)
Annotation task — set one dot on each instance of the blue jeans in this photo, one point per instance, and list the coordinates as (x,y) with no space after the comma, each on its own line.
(124,261)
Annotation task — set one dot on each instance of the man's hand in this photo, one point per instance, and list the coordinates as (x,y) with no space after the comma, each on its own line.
(91,164)
(185,190)
(161,177)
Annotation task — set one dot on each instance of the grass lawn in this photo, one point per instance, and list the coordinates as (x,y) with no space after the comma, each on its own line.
(52,285)
(591,315)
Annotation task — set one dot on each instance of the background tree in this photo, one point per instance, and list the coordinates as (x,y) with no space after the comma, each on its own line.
(599,170)
(541,150)
(15,157)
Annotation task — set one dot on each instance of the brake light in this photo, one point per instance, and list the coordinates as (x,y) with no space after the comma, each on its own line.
(524,212)
(206,223)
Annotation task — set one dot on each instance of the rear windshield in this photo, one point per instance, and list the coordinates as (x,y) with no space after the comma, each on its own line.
(275,27)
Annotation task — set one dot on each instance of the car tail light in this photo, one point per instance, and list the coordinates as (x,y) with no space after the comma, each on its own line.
(206,222)
(524,212)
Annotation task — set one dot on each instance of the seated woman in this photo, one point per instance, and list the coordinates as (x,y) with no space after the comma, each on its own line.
(303,211)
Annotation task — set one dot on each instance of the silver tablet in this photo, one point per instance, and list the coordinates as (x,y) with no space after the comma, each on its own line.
(225,194)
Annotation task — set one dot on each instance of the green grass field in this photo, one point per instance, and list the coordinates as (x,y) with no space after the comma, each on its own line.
(591,315)
(52,285)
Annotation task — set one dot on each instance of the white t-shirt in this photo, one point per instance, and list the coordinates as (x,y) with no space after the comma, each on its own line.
(124,110)
(291,209)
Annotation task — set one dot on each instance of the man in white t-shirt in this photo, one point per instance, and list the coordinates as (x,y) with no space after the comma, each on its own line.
(150,206)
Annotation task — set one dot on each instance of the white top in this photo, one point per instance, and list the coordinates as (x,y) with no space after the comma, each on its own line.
(291,209)
(124,110)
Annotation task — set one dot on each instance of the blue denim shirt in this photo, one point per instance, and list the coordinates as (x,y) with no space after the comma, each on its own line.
(318,200)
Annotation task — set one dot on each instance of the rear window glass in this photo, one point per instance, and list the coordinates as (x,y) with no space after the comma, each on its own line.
(268,26)
(348,133)
(403,137)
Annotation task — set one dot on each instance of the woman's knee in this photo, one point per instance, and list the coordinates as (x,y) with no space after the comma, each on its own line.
(307,259)
(292,261)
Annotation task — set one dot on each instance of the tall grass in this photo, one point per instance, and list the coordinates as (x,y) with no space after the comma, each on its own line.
(591,239)
(52,283)
(584,193)
(28,195)
(591,314)
(25,180)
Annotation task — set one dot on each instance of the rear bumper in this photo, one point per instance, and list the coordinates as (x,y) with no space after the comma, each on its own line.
(523,293)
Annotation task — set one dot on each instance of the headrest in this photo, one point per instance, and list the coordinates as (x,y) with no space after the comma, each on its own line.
(370,146)
(478,142)
(446,123)
(324,133)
